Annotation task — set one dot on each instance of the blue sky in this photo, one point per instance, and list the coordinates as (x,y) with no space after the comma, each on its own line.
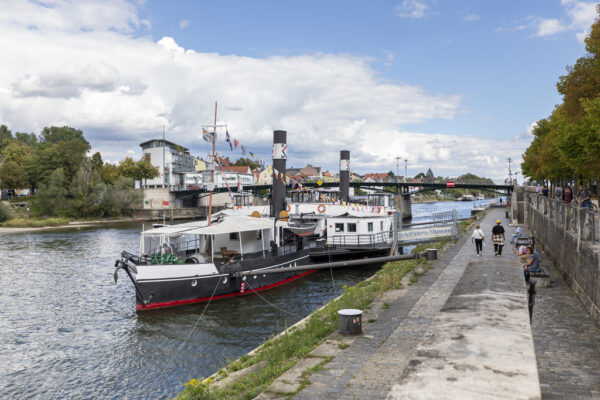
(451,85)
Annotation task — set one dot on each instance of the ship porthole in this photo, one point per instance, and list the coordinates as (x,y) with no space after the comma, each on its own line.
(194,283)
(254,277)
(224,281)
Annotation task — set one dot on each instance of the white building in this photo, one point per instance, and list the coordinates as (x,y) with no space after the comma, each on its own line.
(172,160)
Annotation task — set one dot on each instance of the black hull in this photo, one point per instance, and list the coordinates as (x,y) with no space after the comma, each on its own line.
(176,292)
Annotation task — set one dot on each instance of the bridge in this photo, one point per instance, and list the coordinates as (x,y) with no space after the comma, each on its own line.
(401,187)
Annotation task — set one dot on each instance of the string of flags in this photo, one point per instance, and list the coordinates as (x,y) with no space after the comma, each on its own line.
(211,136)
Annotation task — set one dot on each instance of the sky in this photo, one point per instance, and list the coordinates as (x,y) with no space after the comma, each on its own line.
(454,86)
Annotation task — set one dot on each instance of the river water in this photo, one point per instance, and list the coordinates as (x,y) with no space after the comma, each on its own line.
(67,331)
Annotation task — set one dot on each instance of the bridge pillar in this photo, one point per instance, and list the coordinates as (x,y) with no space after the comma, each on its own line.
(404,205)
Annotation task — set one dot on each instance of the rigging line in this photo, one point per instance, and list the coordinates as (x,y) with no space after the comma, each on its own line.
(189,334)
(271,304)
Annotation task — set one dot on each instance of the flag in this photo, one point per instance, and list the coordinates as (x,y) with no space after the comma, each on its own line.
(239,185)
(243,150)
(209,136)
(235,143)
(252,154)
(228,140)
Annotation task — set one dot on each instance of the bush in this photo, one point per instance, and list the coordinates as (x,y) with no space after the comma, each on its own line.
(4,213)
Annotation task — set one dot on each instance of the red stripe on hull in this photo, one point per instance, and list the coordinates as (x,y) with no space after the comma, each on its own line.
(165,304)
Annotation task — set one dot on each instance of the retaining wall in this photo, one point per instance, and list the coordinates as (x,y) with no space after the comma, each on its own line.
(569,238)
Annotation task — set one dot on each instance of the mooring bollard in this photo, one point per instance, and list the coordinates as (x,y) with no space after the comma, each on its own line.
(350,321)
(431,254)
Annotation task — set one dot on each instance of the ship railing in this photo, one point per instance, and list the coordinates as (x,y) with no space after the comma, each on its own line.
(367,240)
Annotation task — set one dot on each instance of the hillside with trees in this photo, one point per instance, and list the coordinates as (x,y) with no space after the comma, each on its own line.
(566,144)
(66,181)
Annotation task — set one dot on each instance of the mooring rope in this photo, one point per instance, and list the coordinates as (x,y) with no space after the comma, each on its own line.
(271,304)
(189,334)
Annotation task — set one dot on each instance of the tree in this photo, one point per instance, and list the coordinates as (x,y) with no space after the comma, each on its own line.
(146,170)
(12,176)
(5,136)
(129,168)
(30,139)
(247,162)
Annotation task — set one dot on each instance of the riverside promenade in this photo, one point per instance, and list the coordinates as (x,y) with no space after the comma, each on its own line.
(461,332)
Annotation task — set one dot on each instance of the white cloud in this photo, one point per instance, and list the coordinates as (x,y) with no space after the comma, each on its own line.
(549,27)
(580,15)
(471,18)
(412,9)
(184,23)
(121,89)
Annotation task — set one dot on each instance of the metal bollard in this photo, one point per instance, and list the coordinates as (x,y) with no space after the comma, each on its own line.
(531,297)
(431,254)
(350,321)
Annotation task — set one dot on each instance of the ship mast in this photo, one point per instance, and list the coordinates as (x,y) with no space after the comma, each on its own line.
(212,172)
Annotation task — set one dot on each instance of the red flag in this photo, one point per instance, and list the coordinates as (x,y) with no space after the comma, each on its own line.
(235,143)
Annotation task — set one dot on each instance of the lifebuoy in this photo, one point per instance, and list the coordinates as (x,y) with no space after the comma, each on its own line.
(288,208)
(321,208)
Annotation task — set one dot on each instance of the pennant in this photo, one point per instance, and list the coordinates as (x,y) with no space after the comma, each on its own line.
(243,150)
(235,143)
(209,136)
(228,140)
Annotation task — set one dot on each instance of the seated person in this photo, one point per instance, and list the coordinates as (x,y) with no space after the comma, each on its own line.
(517,234)
(521,251)
(532,264)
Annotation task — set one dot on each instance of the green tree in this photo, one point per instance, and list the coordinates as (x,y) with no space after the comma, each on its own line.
(12,176)
(146,170)
(247,162)
(129,168)
(30,139)
(5,136)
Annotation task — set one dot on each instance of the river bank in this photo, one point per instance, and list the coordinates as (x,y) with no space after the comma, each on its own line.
(70,225)
(314,341)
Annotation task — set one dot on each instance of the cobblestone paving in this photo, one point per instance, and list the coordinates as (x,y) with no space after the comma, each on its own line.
(377,360)
(567,343)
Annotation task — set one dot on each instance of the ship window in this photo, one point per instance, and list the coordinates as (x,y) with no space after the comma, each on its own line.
(234,236)
(258,235)
(339,227)
(370,227)
(351,227)
(381,225)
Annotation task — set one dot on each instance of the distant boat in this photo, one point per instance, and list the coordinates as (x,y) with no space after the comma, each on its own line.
(467,197)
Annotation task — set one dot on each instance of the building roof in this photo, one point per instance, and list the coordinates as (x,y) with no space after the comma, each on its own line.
(163,141)
(244,169)
(376,176)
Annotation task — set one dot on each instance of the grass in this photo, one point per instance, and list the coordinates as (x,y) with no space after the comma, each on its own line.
(34,222)
(282,352)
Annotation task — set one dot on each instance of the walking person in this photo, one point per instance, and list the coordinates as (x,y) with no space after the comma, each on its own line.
(568,195)
(498,238)
(478,237)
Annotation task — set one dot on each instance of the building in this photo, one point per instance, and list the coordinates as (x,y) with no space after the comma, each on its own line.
(379,178)
(200,164)
(173,162)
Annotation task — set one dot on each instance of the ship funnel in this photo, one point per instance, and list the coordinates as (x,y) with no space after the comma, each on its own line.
(344,175)
(278,202)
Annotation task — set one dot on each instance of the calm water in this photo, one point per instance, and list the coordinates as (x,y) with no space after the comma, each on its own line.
(67,331)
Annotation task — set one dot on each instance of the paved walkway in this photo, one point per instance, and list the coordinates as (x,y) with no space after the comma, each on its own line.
(387,360)
(377,360)
(567,343)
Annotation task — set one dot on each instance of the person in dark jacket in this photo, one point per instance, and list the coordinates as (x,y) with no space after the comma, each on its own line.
(498,238)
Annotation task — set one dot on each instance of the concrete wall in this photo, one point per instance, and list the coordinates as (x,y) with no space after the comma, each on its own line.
(569,237)
(159,199)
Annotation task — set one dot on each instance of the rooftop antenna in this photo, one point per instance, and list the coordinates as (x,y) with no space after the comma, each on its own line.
(509,171)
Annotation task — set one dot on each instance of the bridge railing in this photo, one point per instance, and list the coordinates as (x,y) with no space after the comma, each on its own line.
(582,221)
